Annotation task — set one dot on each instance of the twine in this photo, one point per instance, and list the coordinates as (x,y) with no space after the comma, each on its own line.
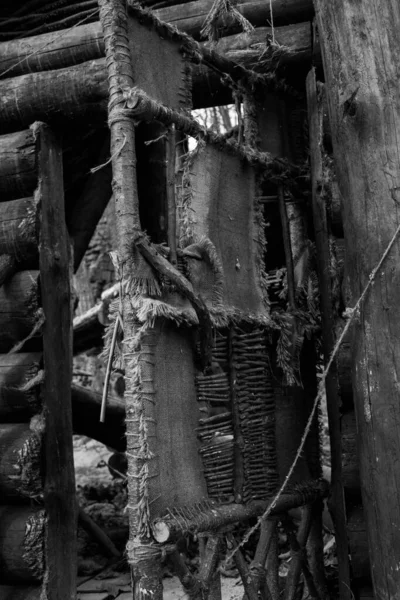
(351,314)
(114,155)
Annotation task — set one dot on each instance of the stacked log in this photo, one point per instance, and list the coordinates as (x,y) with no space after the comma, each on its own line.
(27,510)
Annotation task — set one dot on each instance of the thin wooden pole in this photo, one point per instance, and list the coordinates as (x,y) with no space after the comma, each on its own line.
(144,557)
(55,271)
(328,329)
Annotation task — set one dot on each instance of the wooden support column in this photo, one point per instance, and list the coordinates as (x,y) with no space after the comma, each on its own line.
(328,329)
(55,273)
(143,556)
(360,47)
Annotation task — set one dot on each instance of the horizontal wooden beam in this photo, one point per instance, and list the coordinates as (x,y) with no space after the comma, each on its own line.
(19,304)
(18,230)
(209,518)
(254,50)
(190,16)
(70,92)
(17,165)
(86,406)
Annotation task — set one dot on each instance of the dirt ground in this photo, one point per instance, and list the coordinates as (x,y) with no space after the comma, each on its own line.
(93,480)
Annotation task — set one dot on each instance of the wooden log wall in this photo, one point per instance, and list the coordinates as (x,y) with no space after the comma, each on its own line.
(37,485)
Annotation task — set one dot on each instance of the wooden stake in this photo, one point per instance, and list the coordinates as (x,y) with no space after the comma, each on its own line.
(55,273)
(144,560)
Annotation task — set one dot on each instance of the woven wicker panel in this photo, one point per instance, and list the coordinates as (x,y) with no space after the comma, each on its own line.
(159,67)
(180,481)
(222,209)
(239,384)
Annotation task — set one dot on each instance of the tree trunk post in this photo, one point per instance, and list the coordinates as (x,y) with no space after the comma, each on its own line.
(328,330)
(143,554)
(55,276)
(361,45)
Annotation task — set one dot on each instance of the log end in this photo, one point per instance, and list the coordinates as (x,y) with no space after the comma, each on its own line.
(161,532)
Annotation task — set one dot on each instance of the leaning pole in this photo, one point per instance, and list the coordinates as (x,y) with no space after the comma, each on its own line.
(361,49)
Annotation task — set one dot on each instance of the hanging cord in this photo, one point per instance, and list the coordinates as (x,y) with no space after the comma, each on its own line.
(271,13)
(350,313)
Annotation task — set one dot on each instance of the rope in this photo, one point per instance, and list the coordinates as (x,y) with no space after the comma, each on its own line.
(272,21)
(56,38)
(351,314)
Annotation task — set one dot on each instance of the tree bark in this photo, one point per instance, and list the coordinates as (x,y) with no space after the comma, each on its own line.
(190,16)
(146,565)
(361,45)
(70,92)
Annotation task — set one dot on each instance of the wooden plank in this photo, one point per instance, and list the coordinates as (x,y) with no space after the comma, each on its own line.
(360,47)
(17,165)
(55,271)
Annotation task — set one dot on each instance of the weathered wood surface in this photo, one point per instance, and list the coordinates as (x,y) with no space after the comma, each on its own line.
(54,52)
(361,45)
(20,462)
(190,16)
(146,568)
(328,327)
(19,304)
(16,370)
(17,165)
(55,271)
(253,52)
(50,51)
(18,230)
(66,93)
(22,538)
(12,592)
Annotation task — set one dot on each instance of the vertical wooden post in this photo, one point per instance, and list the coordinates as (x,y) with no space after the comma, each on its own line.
(328,330)
(143,554)
(55,272)
(361,45)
